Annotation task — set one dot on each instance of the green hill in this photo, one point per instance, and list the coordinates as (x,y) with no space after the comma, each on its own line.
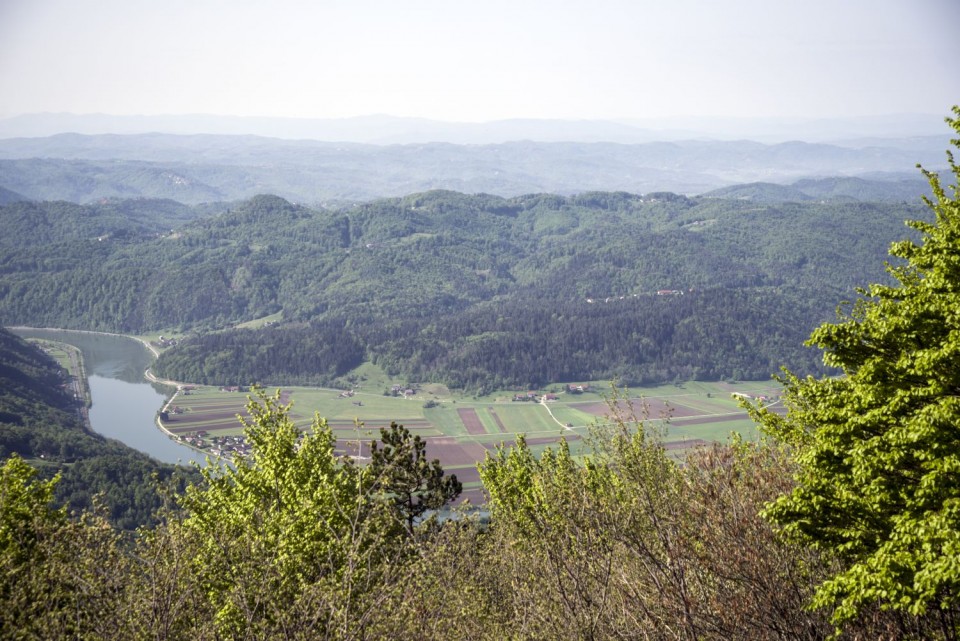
(835,188)
(456,288)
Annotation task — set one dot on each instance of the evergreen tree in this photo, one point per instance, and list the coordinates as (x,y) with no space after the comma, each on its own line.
(413,483)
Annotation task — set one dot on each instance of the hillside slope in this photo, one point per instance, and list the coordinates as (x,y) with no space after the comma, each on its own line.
(462,289)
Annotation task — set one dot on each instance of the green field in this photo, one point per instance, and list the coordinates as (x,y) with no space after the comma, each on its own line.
(71,360)
(459,429)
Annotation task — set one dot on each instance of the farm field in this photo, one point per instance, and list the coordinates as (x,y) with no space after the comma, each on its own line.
(461,430)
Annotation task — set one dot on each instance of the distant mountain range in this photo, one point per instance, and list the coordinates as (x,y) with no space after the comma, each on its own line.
(206,168)
(7,197)
(389,130)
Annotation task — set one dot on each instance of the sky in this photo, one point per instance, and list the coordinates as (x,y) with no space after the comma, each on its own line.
(478,61)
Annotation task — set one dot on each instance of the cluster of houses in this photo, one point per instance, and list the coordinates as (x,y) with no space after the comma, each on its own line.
(236,445)
(762,397)
(401,390)
(163,341)
(194,439)
(609,299)
(165,414)
(216,445)
(533,397)
(660,292)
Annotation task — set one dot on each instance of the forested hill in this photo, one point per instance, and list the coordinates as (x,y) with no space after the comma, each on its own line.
(32,224)
(475,291)
(39,422)
(892,189)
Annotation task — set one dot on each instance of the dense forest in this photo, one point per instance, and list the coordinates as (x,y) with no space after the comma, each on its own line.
(39,422)
(474,291)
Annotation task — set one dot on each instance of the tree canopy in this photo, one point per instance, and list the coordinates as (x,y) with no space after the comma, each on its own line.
(295,537)
(413,483)
(878,449)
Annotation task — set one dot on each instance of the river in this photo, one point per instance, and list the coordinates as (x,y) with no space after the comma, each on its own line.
(124,404)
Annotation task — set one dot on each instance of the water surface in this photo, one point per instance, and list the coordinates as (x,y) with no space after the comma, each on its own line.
(124,404)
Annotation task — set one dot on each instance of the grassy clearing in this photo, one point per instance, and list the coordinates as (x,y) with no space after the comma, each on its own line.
(719,432)
(71,360)
(257,323)
(527,418)
(332,404)
(371,377)
(446,420)
(57,351)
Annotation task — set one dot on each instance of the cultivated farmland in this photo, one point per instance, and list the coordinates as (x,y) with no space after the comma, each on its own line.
(461,430)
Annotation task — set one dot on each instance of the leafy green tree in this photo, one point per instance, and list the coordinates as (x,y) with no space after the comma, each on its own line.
(59,578)
(166,595)
(878,449)
(550,509)
(626,543)
(24,510)
(414,484)
(289,541)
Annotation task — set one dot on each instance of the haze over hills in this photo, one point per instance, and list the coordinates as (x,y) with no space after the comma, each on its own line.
(889,189)
(376,199)
(207,167)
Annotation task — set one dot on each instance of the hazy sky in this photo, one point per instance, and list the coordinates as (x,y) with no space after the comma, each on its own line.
(463,60)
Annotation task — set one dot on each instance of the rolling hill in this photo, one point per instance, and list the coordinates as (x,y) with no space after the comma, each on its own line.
(469,290)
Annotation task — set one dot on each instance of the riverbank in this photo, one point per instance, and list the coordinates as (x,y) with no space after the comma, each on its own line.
(178,385)
(71,359)
(126,398)
(144,342)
